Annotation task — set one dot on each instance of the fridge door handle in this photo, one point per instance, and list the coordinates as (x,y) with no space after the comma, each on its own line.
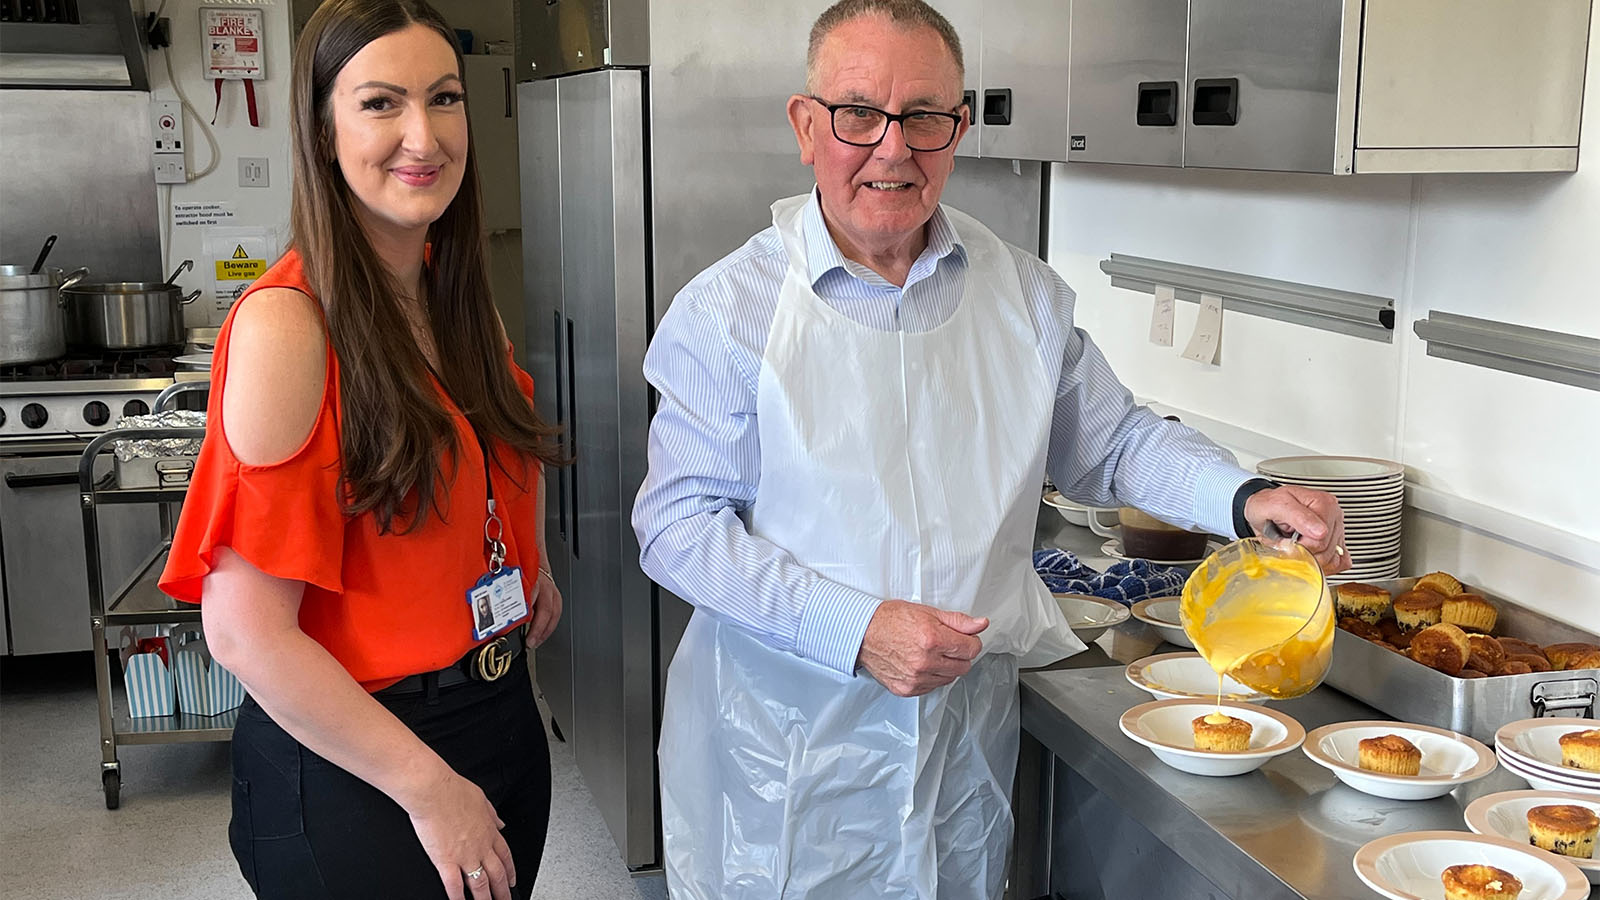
(572,431)
(505,71)
(561,421)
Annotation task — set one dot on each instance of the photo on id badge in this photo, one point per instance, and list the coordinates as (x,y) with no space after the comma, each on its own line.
(485,614)
(497,601)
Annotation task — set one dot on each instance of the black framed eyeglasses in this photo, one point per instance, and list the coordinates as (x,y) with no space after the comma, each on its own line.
(925,131)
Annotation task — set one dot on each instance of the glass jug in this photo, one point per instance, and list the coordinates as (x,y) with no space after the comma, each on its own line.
(1261,613)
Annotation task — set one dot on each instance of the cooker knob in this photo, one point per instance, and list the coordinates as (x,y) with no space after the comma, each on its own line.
(2,417)
(96,413)
(34,416)
(135,408)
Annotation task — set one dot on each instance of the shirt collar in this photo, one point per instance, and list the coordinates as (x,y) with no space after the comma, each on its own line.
(823,255)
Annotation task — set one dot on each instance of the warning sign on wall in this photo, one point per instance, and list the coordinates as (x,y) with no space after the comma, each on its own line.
(239,256)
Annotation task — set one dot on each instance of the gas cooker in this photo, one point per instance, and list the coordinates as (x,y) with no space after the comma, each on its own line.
(77,397)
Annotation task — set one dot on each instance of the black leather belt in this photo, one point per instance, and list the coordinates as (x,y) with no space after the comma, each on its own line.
(489,661)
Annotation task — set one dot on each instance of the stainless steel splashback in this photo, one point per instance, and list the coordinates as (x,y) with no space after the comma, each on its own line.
(77,164)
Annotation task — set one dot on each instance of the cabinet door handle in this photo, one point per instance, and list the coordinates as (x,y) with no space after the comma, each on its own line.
(997,106)
(572,429)
(43,479)
(561,420)
(1158,103)
(1216,101)
(505,71)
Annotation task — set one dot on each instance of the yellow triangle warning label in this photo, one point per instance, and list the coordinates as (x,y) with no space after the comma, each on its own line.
(238,252)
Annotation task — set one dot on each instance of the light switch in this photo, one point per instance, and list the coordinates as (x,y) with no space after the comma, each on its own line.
(253,171)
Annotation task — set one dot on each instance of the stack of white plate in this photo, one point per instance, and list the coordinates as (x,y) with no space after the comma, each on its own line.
(1531,750)
(1372,495)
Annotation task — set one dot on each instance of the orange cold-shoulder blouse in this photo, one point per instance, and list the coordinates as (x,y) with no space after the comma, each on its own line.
(384,605)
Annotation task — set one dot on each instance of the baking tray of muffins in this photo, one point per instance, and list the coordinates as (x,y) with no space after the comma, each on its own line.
(1439,652)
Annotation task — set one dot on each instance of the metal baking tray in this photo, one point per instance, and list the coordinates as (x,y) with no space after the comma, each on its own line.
(1412,692)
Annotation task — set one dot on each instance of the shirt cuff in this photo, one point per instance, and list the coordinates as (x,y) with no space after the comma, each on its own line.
(833,624)
(1214,490)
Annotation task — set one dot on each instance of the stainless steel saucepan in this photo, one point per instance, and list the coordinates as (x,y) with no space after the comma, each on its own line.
(127,315)
(32,323)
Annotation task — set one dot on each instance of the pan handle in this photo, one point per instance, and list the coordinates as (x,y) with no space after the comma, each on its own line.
(74,277)
(191,298)
(183,267)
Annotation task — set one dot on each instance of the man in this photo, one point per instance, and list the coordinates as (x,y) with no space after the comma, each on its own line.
(858,408)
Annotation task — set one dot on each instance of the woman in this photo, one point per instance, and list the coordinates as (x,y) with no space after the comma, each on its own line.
(368,436)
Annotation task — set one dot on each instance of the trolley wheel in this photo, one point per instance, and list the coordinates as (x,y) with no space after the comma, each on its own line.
(555,729)
(112,781)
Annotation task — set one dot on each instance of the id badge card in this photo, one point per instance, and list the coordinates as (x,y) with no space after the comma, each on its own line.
(496,600)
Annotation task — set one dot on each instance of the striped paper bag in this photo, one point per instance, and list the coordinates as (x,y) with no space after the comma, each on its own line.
(205,688)
(150,691)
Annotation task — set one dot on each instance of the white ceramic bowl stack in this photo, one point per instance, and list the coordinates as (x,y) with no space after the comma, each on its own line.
(1372,494)
(1531,750)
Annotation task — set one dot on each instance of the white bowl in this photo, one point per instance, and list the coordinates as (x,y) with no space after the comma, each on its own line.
(1161,613)
(1090,616)
(1449,760)
(1185,676)
(1331,468)
(1544,781)
(1410,866)
(1112,549)
(1075,513)
(1166,727)
(1506,815)
(1537,743)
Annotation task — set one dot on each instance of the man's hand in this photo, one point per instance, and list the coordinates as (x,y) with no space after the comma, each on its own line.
(912,649)
(1314,514)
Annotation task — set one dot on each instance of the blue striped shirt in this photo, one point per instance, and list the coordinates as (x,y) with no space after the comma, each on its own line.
(705,450)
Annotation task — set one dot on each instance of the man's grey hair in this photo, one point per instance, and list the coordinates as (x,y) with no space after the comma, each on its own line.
(909,14)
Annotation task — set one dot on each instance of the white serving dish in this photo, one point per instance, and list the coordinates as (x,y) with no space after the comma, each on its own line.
(1336,469)
(1075,513)
(1161,613)
(1166,727)
(1186,676)
(1506,815)
(1410,866)
(1449,760)
(1537,743)
(1090,616)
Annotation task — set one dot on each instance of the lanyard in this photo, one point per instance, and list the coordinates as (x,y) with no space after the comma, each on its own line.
(493,528)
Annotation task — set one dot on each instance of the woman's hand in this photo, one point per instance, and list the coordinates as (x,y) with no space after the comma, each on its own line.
(546,608)
(460,832)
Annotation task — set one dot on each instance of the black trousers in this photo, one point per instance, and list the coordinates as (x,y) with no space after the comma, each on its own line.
(304,828)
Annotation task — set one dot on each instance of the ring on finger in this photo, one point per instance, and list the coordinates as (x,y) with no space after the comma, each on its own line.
(476,874)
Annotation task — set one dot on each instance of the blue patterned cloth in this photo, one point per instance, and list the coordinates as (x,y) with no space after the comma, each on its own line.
(1127,582)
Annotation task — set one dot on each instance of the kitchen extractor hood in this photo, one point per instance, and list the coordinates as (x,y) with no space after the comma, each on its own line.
(71,44)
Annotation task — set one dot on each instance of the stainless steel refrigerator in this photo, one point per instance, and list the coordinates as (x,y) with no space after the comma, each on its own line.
(653,139)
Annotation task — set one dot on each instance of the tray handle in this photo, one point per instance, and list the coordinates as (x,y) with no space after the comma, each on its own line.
(1568,697)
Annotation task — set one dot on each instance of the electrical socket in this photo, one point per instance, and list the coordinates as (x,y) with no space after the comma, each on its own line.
(253,171)
(166,125)
(170,168)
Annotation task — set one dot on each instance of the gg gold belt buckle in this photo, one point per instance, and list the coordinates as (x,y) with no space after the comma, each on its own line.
(494,659)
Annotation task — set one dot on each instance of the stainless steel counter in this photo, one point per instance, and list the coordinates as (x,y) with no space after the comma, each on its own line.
(1287,830)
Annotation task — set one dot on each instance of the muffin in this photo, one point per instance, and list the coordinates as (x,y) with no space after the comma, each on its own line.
(1442,647)
(1516,646)
(1470,672)
(1487,654)
(1364,601)
(1469,612)
(1418,609)
(1439,583)
(1581,750)
(1571,655)
(1388,646)
(1221,732)
(1514,667)
(1477,882)
(1389,754)
(1394,634)
(1533,661)
(1361,628)
(1564,829)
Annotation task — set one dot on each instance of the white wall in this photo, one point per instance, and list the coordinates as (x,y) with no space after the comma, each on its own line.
(1499,454)
(269,206)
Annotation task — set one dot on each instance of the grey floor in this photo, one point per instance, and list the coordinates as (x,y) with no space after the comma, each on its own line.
(169,838)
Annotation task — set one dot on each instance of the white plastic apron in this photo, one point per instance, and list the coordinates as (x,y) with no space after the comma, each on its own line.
(907,466)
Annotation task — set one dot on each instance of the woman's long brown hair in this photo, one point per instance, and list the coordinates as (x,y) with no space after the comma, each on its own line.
(394,428)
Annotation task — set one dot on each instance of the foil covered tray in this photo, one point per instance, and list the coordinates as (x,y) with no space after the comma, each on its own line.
(1412,692)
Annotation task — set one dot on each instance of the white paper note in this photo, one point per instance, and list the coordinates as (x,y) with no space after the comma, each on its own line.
(1161,316)
(1206,341)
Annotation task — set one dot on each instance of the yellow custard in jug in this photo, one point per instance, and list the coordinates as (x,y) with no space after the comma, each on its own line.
(1260,615)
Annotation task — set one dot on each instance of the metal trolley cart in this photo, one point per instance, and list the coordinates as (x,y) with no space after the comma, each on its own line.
(137,601)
